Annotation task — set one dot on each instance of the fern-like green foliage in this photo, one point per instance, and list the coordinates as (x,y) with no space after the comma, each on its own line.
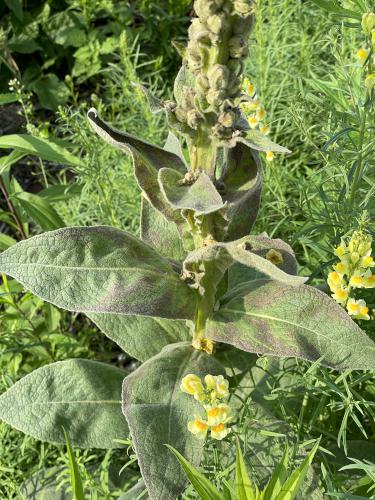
(195,280)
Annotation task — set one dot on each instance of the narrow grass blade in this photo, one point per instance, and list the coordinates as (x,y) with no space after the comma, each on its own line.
(244,488)
(202,485)
(75,476)
(278,477)
(292,485)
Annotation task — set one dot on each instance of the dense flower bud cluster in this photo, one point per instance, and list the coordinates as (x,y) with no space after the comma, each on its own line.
(353,271)
(214,57)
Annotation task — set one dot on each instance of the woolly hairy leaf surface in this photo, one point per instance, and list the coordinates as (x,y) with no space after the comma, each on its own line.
(160,233)
(147,159)
(45,149)
(158,412)
(80,395)
(173,145)
(242,183)
(201,196)
(249,252)
(270,317)
(256,140)
(99,269)
(184,79)
(141,336)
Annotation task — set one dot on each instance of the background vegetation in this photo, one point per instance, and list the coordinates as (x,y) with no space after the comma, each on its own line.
(68,55)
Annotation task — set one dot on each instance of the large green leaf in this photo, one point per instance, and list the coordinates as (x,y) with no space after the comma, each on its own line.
(250,252)
(80,395)
(158,412)
(45,149)
(200,196)
(241,182)
(147,158)
(270,317)
(99,269)
(141,336)
(160,233)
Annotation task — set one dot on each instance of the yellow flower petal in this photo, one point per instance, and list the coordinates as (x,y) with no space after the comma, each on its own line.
(219,431)
(220,414)
(341,295)
(265,129)
(270,156)
(198,427)
(362,54)
(192,384)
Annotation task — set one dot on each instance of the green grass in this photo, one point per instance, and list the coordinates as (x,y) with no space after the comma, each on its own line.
(295,46)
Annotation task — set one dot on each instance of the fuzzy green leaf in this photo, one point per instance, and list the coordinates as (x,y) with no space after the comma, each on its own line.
(256,140)
(185,79)
(156,104)
(141,336)
(158,412)
(160,233)
(173,145)
(201,196)
(45,149)
(99,269)
(274,318)
(147,159)
(205,489)
(241,182)
(80,395)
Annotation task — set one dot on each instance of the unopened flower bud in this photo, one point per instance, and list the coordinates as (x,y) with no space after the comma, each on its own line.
(370,81)
(196,29)
(227,119)
(192,117)
(193,57)
(205,8)
(218,77)
(217,23)
(237,47)
(181,115)
(243,7)
(202,83)
(215,97)
(368,22)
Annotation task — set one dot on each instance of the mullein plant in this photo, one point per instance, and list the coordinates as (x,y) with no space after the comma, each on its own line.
(195,283)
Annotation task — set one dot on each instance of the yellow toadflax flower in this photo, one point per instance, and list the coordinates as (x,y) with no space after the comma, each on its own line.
(270,155)
(219,431)
(353,272)
(261,114)
(370,81)
(362,55)
(217,414)
(253,121)
(265,129)
(248,87)
(198,427)
(358,309)
(192,384)
(220,414)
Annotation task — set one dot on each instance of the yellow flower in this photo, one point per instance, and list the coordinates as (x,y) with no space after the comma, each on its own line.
(198,427)
(192,384)
(253,105)
(341,250)
(335,281)
(370,81)
(275,257)
(358,309)
(357,281)
(369,281)
(219,431)
(362,54)
(218,385)
(253,121)
(340,295)
(261,114)
(341,268)
(265,129)
(248,87)
(270,156)
(220,414)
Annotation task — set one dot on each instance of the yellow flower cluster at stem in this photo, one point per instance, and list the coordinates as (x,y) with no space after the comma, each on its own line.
(353,271)
(210,395)
(366,55)
(254,112)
